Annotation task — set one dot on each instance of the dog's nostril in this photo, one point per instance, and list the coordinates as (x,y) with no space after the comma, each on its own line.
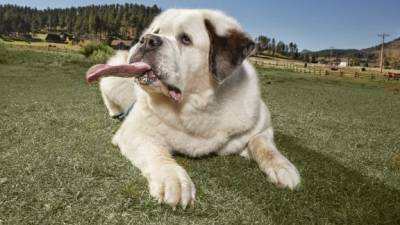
(152,43)
(155,41)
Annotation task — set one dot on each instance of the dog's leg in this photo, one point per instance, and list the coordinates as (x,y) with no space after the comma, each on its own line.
(118,94)
(112,107)
(168,182)
(262,149)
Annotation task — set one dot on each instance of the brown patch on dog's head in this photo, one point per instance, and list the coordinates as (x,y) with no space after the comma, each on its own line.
(227,52)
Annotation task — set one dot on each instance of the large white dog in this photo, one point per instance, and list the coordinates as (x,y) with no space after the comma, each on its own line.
(194,93)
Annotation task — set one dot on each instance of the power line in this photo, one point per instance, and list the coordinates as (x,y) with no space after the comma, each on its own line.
(383,35)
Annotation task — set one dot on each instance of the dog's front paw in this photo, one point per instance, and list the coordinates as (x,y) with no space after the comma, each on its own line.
(283,173)
(172,185)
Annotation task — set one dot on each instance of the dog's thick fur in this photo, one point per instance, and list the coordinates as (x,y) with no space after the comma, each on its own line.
(221,111)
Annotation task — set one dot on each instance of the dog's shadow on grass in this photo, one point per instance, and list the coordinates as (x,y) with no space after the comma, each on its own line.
(329,192)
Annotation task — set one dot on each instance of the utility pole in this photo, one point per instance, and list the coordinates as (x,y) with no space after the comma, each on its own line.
(383,35)
(331,55)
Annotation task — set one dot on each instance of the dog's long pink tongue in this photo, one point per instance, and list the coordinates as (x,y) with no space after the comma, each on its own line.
(125,70)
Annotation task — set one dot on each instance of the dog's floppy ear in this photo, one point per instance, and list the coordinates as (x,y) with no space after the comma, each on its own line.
(227,52)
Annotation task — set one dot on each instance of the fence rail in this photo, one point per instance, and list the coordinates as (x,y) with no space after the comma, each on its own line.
(318,69)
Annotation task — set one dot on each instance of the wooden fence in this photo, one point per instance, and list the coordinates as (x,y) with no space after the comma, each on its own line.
(319,70)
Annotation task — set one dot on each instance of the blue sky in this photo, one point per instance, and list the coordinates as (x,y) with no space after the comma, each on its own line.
(311,24)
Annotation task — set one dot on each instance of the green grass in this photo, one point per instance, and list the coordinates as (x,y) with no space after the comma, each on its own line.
(57,164)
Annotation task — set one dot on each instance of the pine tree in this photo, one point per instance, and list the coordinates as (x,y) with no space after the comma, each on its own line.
(104,20)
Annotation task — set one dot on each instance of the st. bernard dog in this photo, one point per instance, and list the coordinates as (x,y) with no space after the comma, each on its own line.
(189,89)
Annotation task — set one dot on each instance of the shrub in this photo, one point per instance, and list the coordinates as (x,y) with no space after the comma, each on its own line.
(3,53)
(97,51)
(2,45)
(100,56)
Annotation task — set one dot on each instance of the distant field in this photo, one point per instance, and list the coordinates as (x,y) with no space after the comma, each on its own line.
(57,164)
(40,36)
(42,45)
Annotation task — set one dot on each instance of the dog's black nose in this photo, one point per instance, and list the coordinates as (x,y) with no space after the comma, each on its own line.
(151,41)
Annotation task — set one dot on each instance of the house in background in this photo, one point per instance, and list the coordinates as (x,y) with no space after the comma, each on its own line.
(55,38)
(59,37)
(343,64)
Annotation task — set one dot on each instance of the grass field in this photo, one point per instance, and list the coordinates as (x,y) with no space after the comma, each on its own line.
(57,164)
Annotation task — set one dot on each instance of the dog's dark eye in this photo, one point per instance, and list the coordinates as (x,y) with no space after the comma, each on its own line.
(157,31)
(185,39)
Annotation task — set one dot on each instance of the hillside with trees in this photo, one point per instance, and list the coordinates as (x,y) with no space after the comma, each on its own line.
(359,57)
(94,21)
(269,46)
(392,53)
